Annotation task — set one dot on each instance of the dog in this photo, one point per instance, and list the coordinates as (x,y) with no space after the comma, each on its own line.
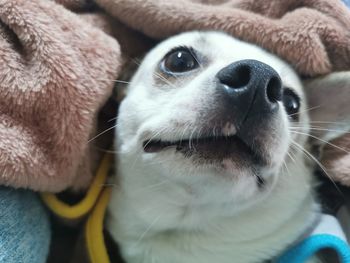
(212,162)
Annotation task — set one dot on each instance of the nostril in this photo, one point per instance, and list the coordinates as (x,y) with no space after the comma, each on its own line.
(237,79)
(274,89)
(243,77)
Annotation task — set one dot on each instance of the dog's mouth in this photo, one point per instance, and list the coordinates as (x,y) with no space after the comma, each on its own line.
(206,147)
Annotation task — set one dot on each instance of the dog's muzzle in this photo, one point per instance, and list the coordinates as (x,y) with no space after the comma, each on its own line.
(247,96)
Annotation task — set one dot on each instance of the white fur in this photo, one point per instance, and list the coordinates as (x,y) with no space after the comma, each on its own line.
(165,209)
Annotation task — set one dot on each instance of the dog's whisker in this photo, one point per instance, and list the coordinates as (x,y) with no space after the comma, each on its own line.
(148,229)
(115,80)
(214,131)
(195,58)
(164,79)
(152,187)
(304,126)
(292,153)
(199,133)
(138,155)
(286,168)
(105,150)
(154,136)
(312,126)
(184,132)
(156,74)
(321,129)
(306,110)
(329,130)
(319,139)
(309,155)
(101,133)
(291,157)
(190,144)
(113,119)
(325,122)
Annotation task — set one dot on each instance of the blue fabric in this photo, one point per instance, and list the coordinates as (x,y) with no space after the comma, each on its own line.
(308,247)
(347,2)
(24,227)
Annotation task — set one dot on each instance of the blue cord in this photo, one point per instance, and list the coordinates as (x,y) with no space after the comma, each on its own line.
(308,247)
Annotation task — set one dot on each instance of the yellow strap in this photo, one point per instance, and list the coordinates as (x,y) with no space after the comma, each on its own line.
(96,247)
(80,209)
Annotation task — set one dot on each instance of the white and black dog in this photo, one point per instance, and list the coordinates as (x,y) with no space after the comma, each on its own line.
(211,165)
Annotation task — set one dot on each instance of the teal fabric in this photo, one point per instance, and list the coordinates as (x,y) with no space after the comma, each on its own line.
(24,227)
(311,245)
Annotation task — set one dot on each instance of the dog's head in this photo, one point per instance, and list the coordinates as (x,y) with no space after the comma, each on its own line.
(207,109)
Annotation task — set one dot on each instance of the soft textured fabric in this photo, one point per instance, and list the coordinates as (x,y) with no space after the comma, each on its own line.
(24,227)
(56,71)
(312,35)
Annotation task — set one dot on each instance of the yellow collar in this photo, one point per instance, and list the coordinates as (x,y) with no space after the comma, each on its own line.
(93,205)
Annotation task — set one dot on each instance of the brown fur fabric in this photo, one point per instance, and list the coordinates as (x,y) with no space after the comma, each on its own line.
(312,35)
(57,67)
(54,72)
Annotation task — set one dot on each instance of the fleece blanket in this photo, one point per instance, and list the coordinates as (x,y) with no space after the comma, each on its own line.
(58,60)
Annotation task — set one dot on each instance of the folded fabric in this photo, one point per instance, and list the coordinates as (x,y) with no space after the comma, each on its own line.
(24,227)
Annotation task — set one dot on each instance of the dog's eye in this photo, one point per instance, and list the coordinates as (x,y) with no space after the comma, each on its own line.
(291,102)
(180,60)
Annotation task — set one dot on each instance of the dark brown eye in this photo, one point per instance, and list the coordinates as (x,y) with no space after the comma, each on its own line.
(180,60)
(291,102)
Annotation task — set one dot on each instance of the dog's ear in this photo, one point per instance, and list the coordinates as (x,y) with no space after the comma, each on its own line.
(329,105)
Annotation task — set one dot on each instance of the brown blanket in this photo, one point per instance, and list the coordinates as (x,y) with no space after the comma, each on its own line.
(57,67)
(54,72)
(312,35)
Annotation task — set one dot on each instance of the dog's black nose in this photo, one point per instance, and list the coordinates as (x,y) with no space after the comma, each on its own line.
(250,85)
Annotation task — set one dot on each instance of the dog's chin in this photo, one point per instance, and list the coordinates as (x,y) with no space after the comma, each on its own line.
(209,150)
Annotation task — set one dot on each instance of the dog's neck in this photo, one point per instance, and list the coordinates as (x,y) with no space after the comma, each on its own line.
(156,222)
